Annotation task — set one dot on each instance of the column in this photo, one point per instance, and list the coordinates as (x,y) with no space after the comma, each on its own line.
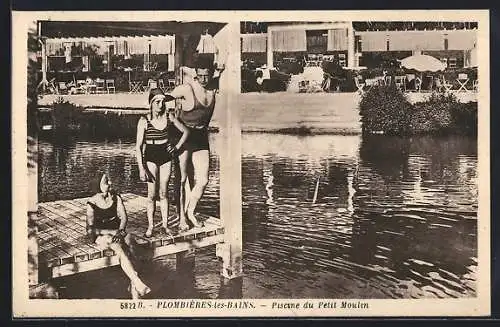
(230,164)
(269,48)
(43,83)
(178,57)
(351,55)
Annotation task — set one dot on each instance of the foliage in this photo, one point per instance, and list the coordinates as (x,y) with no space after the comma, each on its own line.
(65,114)
(433,116)
(385,109)
(32,83)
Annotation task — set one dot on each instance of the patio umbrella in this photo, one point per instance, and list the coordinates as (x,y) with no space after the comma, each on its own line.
(423,63)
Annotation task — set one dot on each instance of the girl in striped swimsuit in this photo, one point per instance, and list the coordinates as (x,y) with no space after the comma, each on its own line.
(155,151)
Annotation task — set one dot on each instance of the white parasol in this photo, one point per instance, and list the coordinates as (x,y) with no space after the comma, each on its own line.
(423,63)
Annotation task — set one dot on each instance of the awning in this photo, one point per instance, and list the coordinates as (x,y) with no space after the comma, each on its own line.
(337,40)
(82,29)
(253,43)
(417,40)
(289,40)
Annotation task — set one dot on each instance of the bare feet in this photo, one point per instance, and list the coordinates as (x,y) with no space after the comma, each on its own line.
(149,232)
(183,227)
(141,288)
(192,218)
(167,230)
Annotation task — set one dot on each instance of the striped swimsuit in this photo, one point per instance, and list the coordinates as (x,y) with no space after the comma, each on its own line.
(157,142)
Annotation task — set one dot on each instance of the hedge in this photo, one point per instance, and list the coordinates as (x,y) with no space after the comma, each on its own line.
(385,109)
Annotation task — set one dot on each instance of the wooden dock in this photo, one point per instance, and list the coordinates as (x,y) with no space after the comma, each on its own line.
(64,250)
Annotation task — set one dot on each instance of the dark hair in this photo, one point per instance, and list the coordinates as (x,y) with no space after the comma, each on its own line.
(204,61)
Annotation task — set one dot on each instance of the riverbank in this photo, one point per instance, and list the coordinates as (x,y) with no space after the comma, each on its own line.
(280,112)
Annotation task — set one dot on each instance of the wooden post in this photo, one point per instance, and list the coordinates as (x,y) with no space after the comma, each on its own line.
(178,57)
(351,47)
(230,165)
(42,41)
(270,50)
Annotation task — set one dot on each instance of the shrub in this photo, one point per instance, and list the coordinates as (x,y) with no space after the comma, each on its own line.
(65,114)
(434,115)
(464,117)
(385,109)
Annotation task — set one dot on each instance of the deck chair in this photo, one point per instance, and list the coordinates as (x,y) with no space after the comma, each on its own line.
(100,85)
(387,80)
(342,60)
(171,83)
(152,84)
(359,84)
(161,84)
(438,84)
(62,88)
(400,82)
(81,86)
(447,85)
(110,85)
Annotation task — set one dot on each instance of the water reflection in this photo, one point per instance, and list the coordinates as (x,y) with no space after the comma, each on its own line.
(393,217)
(69,167)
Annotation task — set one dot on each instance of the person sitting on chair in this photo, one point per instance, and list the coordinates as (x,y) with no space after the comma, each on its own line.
(106,223)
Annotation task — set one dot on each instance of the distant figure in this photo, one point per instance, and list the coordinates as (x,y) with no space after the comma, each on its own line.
(197,98)
(106,224)
(156,148)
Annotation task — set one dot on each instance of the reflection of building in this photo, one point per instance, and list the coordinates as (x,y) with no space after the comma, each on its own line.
(356,44)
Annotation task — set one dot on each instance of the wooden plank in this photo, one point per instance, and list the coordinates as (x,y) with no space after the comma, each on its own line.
(60,217)
(64,224)
(184,246)
(80,250)
(79,267)
(63,247)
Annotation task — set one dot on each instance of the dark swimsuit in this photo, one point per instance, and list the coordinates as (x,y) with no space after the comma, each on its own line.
(197,121)
(106,218)
(157,142)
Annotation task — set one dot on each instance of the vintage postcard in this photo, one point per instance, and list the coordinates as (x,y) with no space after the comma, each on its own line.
(251,164)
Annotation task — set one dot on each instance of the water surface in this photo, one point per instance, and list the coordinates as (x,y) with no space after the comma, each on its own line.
(393,217)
